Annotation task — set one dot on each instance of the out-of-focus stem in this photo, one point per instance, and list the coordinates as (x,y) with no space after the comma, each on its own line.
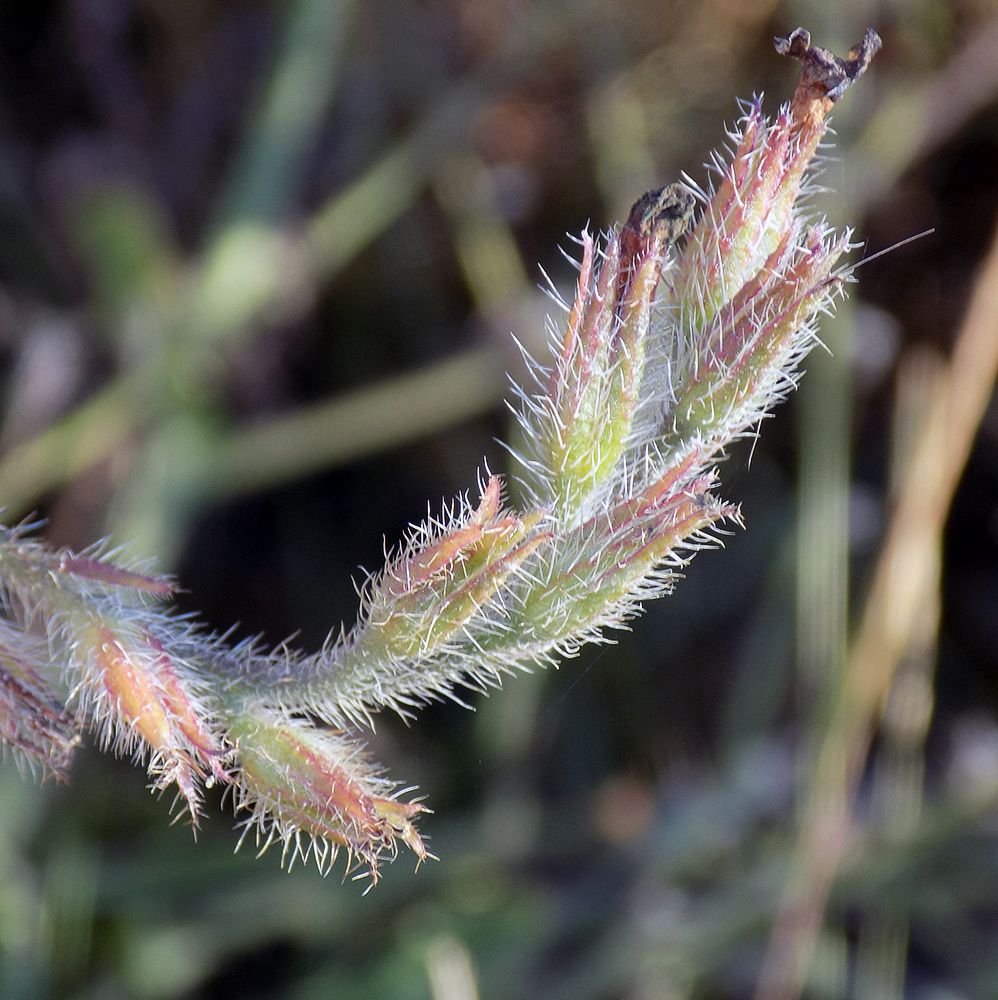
(484,241)
(347,427)
(290,111)
(907,570)
(225,300)
(822,531)
(899,771)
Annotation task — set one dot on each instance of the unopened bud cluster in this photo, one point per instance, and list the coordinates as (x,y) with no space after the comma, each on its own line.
(681,335)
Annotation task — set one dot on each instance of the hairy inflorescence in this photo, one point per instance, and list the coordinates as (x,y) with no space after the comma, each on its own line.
(687,325)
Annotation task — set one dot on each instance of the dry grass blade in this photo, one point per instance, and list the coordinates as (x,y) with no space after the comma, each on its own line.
(908,568)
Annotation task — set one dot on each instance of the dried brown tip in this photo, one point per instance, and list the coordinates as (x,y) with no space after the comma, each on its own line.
(657,219)
(824,77)
(667,210)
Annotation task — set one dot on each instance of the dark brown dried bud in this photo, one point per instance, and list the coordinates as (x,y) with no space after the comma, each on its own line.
(657,220)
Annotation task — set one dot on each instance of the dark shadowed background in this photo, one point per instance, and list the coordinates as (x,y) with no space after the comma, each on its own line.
(260,263)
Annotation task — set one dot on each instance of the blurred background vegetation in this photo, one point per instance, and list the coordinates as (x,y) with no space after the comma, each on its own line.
(260,262)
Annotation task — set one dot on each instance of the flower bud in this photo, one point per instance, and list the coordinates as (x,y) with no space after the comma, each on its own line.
(41,732)
(595,387)
(299,780)
(137,697)
(432,590)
